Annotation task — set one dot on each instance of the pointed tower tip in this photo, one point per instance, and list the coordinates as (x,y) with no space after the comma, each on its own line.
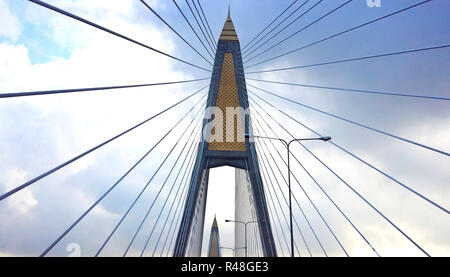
(214,222)
(228,31)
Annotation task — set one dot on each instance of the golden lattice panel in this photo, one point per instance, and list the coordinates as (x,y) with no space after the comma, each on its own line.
(227,96)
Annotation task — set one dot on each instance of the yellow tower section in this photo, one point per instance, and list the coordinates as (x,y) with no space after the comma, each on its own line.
(227,96)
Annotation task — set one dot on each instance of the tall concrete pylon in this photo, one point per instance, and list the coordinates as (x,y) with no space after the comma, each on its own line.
(225,144)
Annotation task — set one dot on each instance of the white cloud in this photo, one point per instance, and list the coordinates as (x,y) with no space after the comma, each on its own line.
(13,61)
(11,27)
(52,129)
(24,200)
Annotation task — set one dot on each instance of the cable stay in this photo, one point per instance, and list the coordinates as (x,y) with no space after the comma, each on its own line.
(307,196)
(255,246)
(264,164)
(180,211)
(205,23)
(171,28)
(297,32)
(274,28)
(178,221)
(341,33)
(192,28)
(167,198)
(266,219)
(298,205)
(307,172)
(277,233)
(63,12)
(200,27)
(356,192)
(280,31)
(163,185)
(304,215)
(59,91)
(265,28)
(357,123)
(183,179)
(359,158)
(298,182)
(169,201)
(177,215)
(208,37)
(263,175)
(150,180)
(352,90)
(355,59)
(113,186)
(11,192)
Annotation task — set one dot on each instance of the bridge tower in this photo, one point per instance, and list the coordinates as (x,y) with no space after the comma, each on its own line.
(214,241)
(225,144)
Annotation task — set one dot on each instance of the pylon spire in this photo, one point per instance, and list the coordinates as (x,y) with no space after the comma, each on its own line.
(228,31)
(214,222)
(214,241)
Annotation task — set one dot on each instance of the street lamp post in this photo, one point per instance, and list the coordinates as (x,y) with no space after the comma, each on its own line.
(288,144)
(245,229)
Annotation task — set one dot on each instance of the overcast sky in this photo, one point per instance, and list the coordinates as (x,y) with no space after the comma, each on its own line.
(40,49)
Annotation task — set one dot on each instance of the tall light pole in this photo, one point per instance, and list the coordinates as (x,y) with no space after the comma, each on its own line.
(288,144)
(245,229)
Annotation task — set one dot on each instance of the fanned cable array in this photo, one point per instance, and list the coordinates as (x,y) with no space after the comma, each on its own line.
(302,225)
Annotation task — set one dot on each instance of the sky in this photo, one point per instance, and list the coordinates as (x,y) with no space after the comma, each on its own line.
(41,50)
